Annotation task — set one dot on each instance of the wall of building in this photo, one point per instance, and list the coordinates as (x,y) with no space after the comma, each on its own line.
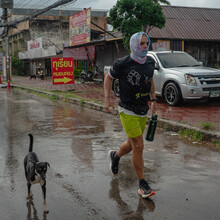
(204,51)
(106,54)
(207,52)
(53,32)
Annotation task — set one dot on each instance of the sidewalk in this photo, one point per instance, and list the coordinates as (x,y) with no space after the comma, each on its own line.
(173,118)
(87,90)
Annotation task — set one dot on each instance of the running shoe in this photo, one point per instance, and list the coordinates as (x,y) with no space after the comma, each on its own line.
(113,163)
(145,191)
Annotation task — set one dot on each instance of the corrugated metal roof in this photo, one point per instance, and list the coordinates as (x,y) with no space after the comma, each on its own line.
(189,24)
(54,12)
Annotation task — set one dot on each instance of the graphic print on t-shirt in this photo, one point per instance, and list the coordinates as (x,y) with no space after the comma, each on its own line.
(148,79)
(134,77)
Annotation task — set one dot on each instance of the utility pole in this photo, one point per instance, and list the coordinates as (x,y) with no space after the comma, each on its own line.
(5,15)
(6,4)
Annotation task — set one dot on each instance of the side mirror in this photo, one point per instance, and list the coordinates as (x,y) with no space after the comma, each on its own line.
(201,63)
(156,66)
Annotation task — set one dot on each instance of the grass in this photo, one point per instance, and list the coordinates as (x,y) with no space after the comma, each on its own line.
(53,97)
(191,134)
(183,122)
(82,102)
(217,144)
(65,94)
(166,127)
(207,125)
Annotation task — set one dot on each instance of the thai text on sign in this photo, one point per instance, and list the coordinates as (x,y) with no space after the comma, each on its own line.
(79,27)
(62,70)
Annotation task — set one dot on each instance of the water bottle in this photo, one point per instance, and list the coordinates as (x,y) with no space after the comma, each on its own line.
(151,128)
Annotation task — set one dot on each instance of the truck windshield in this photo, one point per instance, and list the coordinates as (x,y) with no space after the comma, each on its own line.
(171,60)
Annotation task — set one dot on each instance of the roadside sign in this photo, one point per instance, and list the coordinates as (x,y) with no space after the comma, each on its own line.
(62,70)
(79,27)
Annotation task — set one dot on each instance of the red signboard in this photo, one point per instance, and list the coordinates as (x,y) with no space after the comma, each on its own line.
(62,70)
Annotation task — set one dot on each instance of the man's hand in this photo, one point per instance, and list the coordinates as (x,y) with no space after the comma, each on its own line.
(107,90)
(153,107)
(109,104)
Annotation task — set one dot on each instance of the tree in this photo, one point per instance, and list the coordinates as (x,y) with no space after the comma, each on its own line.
(17,65)
(131,16)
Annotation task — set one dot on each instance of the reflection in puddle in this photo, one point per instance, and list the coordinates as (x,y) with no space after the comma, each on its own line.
(32,212)
(125,210)
(63,119)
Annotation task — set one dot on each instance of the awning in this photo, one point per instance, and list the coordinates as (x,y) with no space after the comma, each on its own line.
(80,53)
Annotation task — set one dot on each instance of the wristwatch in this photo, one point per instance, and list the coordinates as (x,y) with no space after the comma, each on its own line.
(153,100)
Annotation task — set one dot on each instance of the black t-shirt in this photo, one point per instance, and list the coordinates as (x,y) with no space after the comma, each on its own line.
(134,82)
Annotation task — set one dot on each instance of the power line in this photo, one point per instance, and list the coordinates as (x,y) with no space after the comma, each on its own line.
(38,4)
(35,14)
(17,4)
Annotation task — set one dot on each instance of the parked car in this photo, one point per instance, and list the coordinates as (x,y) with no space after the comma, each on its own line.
(178,77)
(115,83)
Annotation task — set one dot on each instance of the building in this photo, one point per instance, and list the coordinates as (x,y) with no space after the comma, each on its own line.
(47,34)
(193,30)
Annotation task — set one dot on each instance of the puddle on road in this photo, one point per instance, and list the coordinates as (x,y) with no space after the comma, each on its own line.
(75,142)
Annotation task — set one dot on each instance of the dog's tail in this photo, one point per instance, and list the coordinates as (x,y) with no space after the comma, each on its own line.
(31,142)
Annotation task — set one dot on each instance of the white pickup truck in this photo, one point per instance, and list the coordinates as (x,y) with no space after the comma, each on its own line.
(178,77)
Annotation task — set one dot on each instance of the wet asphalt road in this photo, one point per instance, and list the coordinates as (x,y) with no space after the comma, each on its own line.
(75,141)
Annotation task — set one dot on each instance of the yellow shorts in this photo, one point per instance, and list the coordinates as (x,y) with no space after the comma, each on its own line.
(133,125)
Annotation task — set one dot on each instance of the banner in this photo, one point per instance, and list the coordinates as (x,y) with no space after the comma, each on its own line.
(79,27)
(33,44)
(163,45)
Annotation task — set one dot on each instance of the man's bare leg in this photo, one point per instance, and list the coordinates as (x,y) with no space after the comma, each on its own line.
(137,155)
(125,148)
(137,143)
(115,155)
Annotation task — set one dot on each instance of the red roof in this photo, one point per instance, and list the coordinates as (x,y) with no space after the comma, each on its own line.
(187,23)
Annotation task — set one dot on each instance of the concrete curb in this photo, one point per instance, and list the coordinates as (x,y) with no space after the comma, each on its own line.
(162,123)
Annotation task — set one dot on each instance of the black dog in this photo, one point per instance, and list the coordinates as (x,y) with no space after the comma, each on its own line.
(32,76)
(35,172)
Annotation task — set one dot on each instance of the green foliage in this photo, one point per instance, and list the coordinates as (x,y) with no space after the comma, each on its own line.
(183,122)
(82,102)
(131,16)
(17,66)
(207,125)
(81,64)
(217,144)
(166,127)
(77,73)
(53,98)
(191,134)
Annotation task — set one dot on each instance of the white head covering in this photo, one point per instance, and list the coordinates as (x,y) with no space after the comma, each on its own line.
(137,54)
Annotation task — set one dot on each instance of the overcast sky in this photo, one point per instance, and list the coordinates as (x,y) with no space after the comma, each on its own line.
(107,4)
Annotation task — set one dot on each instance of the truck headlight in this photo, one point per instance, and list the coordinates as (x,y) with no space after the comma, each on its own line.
(190,80)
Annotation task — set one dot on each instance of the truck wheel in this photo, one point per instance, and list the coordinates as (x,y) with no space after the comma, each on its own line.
(172,94)
(116,87)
